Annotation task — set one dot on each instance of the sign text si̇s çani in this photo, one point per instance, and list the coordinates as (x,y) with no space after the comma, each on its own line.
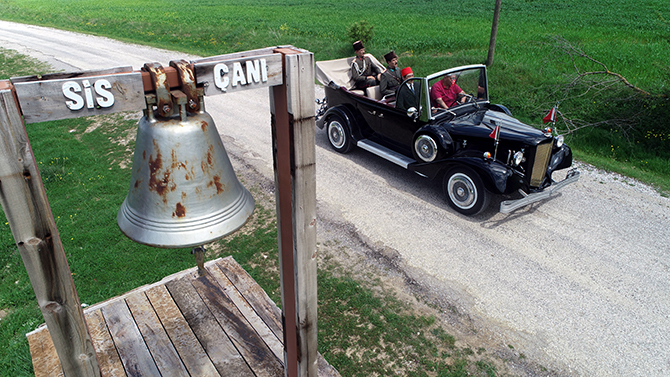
(256,72)
(93,96)
(103,92)
(227,74)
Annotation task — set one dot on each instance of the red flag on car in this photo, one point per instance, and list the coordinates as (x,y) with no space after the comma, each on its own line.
(495,134)
(551,117)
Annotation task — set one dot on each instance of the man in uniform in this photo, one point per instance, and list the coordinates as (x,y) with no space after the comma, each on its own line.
(363,72)
(390,79)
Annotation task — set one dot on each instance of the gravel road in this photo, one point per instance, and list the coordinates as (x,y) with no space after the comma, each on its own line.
(579,284)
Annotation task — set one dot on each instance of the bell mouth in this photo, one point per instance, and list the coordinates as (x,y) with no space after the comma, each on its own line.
(186,232)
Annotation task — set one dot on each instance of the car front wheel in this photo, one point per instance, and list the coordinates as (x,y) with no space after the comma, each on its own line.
(465,191)
(339,134)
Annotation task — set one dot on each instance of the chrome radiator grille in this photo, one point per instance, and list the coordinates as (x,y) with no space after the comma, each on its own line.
(542,155)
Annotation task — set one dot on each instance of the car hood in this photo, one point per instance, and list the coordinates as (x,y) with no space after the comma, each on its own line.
(483,122)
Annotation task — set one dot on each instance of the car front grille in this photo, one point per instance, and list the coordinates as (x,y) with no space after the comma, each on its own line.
(542,155)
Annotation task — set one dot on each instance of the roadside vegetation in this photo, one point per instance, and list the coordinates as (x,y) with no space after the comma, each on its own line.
(362,331)
(85,167)
(623,130)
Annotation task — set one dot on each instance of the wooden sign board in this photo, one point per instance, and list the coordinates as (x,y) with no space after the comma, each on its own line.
(58,96)
(230,75)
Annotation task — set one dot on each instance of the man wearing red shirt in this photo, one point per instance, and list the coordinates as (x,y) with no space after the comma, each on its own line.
(445,93)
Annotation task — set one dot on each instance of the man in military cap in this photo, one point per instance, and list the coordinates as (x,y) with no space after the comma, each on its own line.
(390,79)
(363,72)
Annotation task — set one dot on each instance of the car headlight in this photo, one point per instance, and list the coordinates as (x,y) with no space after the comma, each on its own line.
(559,141)
(518,158)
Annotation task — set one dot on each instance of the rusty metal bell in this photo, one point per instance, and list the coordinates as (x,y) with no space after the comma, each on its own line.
(183,189)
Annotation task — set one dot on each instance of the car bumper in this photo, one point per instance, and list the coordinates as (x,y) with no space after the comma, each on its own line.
(510,205)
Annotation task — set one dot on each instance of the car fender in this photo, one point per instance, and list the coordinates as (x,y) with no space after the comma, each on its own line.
(500,108)
(494,174)
(340,110)
(442,137)
(560,159)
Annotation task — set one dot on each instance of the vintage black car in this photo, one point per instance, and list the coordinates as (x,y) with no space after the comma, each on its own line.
(460,145)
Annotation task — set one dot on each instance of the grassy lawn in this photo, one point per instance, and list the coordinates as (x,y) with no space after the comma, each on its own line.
(85,167)
(362,331)
(529,73)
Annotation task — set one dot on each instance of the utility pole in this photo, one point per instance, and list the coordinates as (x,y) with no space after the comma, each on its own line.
(494,32)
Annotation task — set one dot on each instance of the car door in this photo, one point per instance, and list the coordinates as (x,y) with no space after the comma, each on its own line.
(395,123)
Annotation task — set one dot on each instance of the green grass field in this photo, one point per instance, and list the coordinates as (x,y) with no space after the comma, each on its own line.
(84,164)
(528,75)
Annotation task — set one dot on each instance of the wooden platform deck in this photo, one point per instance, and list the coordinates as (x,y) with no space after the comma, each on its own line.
(220,324)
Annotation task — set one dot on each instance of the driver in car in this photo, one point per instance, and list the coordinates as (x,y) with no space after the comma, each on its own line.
(446,93)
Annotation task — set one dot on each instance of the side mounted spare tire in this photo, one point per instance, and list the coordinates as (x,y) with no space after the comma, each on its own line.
(426,148)
(339,134)
(465,191)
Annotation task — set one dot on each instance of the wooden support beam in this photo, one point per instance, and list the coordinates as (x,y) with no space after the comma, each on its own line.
(25,204)
(293,127)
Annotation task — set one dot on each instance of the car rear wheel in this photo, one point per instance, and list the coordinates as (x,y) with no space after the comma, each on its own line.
(426,148)
(339,134)
(465,191)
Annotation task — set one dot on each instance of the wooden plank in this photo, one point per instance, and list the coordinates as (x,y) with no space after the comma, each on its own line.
(232,75)
(253,294)
(79,96)
(105,350)
(248,343)
(135,356)
(299,69)
(167,360)
(209,332)
(70,75)
(325,369)
(143,288)
(26,207)
(185,342)
(269,337)
(43,353)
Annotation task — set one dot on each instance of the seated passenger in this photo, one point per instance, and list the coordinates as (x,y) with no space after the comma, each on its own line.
(390,79)
(363,72)
(408,94)
(446,93)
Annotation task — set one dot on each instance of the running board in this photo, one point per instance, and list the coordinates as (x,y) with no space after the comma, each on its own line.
(385,153)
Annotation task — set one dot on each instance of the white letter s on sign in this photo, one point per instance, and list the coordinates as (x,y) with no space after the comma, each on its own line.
(70,90)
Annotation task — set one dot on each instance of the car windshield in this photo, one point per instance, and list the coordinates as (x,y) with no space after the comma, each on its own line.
(470,86)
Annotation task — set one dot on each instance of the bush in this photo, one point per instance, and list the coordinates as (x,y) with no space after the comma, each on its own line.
(361,31)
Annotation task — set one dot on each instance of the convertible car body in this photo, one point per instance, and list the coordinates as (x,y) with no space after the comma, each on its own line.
(475,147)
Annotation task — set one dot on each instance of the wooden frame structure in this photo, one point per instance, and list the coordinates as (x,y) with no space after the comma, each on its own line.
(289,74)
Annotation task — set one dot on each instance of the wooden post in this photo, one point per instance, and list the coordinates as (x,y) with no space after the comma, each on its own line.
(494,33)
(293,127)
(25,204)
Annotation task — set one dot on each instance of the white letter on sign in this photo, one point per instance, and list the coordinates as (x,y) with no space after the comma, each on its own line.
(253,71)
(70,90)
(106,98)
(238,74)
(264,70)
(257,71)
(89,95)
(220,79)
